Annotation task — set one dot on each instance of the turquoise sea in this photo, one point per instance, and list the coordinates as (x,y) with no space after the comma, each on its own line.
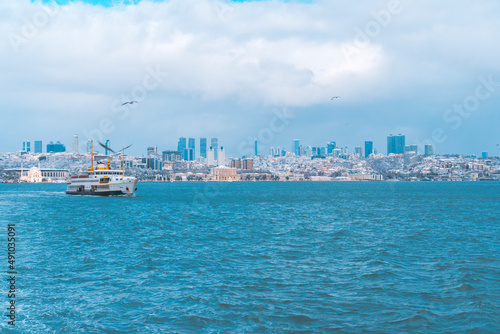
(257,257)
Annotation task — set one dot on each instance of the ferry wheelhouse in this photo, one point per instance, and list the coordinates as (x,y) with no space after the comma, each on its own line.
(102,181)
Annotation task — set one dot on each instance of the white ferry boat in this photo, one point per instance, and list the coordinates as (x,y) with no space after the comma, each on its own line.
(102,181)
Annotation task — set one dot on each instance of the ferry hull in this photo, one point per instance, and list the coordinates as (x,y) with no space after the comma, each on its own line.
(124,189)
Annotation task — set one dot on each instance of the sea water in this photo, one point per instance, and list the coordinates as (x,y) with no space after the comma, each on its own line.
(256,257)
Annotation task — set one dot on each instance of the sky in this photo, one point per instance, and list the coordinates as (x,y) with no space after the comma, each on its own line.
(251,70)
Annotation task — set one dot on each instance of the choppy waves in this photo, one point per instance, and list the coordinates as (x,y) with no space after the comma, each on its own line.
(259,258)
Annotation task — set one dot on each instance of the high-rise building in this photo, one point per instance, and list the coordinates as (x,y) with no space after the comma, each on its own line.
(358,151)
(55,148)
(429,149)
(236,163)
(211,157)
(414,148)
(89,146)
(368,148)
(188,154)
(214,143)
(153,162)
(221,157)
(152,151)
(74,148)
(296,147)
(171,155)
(247,164)
(192,146)
(181,145)
(26,146)
(38,146)
(484,154)
(330,147)
(256,149)
(395,144)
(203,147)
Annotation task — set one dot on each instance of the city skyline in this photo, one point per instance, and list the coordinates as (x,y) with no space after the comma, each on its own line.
(188,149)
(240,75)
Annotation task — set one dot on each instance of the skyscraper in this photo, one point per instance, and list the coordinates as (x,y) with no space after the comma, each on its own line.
(89,146)
(107,145)
(211,157)
(26,146)
(152,151)
(358,151)
(395,144)
(38,146)
(368,148)
(429,149)
(74,148)
(214,143)
(330,147)
(55,148)
(191,146)
(221,161)
(296,147)
(256,149)
(181,145)
(203,147)
(484,154)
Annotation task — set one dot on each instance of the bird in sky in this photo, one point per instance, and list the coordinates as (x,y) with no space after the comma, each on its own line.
(335,97)
(129,102)
(106,147)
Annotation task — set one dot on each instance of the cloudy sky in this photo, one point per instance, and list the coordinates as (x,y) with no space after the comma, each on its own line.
(241,70)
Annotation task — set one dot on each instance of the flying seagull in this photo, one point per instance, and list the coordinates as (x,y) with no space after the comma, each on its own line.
(105,147)
(129,102)
(336,97)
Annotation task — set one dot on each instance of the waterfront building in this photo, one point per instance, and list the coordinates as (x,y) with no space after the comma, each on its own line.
(38,146)
(368,148)
(203,147)
(222,173)
(37,174)
(236,163)
(247,164)
(396,144)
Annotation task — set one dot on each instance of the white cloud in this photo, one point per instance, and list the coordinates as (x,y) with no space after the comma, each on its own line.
(78,58)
